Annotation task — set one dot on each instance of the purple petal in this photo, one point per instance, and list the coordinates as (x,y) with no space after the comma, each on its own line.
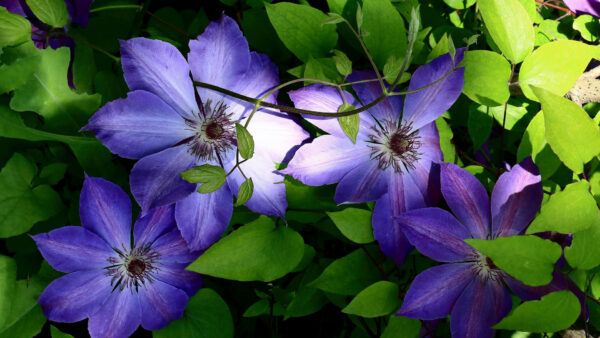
(434,291)
(516,198)
(73,248)
(203,218)
(326,160)
(427,105)
(120,315)
(13,6)
(79,11)
(386,231)
(467,198)
(482,305)
(156,223)
(591,7)
(526,292)
(140,125)
(173,249)
(422,185)
(161,303)
(430,143)
(188,281)
(155,179)
(388,109)
(105,210)
(436,234)
(366,182)
(75,296)
(158,67)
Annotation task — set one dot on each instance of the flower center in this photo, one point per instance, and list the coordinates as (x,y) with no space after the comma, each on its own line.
(485,267)
(214,132)
(395,146)
(132,268)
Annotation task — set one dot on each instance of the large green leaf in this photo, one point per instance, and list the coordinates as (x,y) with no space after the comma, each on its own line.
(52,12)
(571,210)
(256,251)
(8,276)
(555,66)
(571,133)
(18,73)
(301,29)
(48,94)
(206,316)
(354,223)
(554,312)
(486,77)
(529,259)
(534,144)
(383,31)
(401,327)
(21,205)
(509,26)
(584,252)
(14,29)
(377,300)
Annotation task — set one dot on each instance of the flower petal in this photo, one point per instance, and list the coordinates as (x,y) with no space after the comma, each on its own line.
(388,109)
(203,218)
(386,231)
(436,234)
(173,249)
(155,179)
(140,125)
(580,7)
(120,315)
(156,223)
(467,198)
(75,296)
(105,210)
(326,160)
(73,248)
(516,198)
(188,281)
(79,11)
(161,303)
(430,143)
(434,291)
(425,106)
(366,182)
(526,292)
(482,305)
(158,67)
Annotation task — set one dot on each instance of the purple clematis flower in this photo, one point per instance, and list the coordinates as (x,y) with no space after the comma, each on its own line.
(591,7)
(171,128)
(394,158)
(117,281)
(471,289)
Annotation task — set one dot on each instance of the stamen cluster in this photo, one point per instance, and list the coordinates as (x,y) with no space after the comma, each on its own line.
(485,268)
(395,145)
(132,268)
(214,131)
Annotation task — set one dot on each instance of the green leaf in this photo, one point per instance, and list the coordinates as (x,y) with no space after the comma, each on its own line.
(321,69)
(509,26)
(584,252)
(554,312)
(18,73)
(48,94)
(460,4)
(25,317)
(529,259)
(56,333)
(354,223)
(245,141)
(446,136)
(14,29)
(587,26)
(52,173)
(451,49)
(570,132)
(342,62)
(386,32)
(21,205)
(206,316)
(486,77)
(301,30)
(333,18)
(402,327)
(245,192)
(377,300)
(479,125)
(555,67)
(212,177)
(347,275)
(257,251)
(571,210)
(8,277)
(534,144)
(351,123)
(51,12)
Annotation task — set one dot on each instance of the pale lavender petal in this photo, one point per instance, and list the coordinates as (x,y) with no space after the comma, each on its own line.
(203,218)
(516,198)
(158,67)
(105,210)
(591,7)
(188,281)
(173,249)
(155,179)
(161,303)
(156,223)
(73,248)
(467,198)
(140,125)
(120,315)
(75,296)
(389,109)
(482,305)
(434,291)
(430,143)
(425,106)
(436,234)
(366,182)
(326,160)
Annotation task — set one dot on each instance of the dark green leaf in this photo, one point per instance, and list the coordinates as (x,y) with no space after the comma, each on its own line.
(377,300)
(245,141)
(8,277)
(17,74)
(212,177)
(354,223)
(386,32)
(56,333)
(52,12)
(402,327)
(342,62)
(245,192)
(14,29)
(479,125)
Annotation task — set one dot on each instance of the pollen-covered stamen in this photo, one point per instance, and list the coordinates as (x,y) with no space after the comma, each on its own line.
(214,131)
(132,268)
(395,146)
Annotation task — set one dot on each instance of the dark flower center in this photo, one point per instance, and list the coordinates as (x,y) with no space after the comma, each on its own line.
(395,145)
(484,267)
(136,267)
(214,132)
(490,264)
(132,268)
